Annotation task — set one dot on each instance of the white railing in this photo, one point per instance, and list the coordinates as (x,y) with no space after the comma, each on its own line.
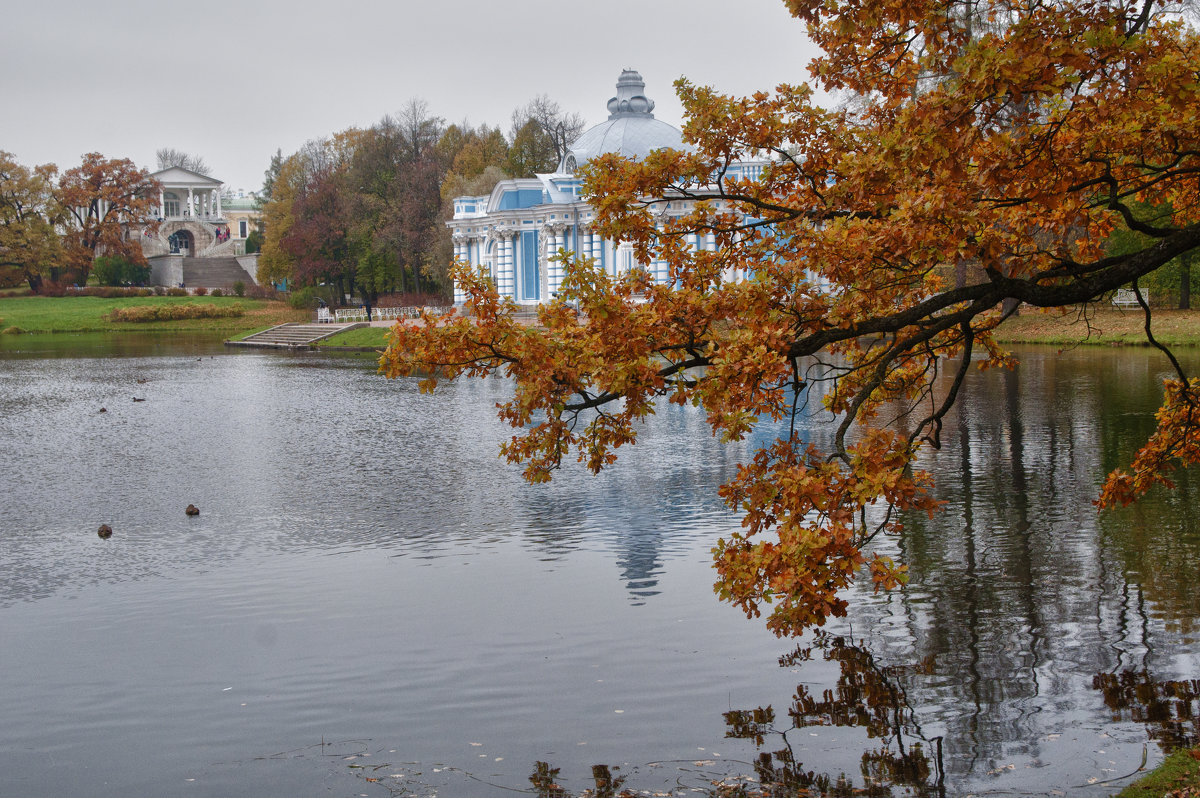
(1125,298)
(193,217)
(346,315)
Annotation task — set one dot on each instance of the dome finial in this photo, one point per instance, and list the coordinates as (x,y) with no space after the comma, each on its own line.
(631,99)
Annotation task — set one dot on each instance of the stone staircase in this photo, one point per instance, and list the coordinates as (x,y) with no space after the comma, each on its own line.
(214,273)
(293,336)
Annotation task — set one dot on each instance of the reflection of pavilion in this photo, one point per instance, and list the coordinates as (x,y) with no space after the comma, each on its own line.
(640,562)
(195,242)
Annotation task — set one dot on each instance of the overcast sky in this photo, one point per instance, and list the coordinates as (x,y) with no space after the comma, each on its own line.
(232,82)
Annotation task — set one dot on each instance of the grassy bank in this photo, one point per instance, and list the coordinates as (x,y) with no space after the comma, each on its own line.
(34,314)
(373,337)
(1106,327)
(73,314)
(1177,777)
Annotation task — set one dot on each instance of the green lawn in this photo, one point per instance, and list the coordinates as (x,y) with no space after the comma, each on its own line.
(375,337)
(37,314)
(1178,775)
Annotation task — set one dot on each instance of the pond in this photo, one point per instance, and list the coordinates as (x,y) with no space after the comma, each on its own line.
(371,603)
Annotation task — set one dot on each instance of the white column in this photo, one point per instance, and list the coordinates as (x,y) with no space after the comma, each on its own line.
(513,238)
(191,208)
(585,243)
(508,266)
(162,204)
(503,277)
(218,204)
(554,268)
(661,273)
(458,294)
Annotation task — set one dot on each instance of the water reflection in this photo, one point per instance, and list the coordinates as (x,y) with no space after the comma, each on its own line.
(866,699)
(365,568)
(1169,708)
(866,696)
(545,785)
(107,345)
(1020,588)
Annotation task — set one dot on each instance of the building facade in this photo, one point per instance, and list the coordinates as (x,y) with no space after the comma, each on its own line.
(515,232)
(199,240)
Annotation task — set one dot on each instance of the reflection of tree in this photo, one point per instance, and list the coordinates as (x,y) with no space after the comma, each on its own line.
(545,784)
(1155,541)
(1019,590)
(1169,709)
(867,696)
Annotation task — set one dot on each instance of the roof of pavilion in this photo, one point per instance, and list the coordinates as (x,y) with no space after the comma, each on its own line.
(178,176)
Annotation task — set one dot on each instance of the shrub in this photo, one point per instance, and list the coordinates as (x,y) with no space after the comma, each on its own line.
(160,290)
(13,330)
(303,298)
(177,292)
(144,313)
(254,242)
(239,288)
(199,290)
(306,298)
(216,292)
(114,270)
(262,292)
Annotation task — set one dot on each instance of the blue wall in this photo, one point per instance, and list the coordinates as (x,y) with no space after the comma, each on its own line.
(523,198)
(529,265)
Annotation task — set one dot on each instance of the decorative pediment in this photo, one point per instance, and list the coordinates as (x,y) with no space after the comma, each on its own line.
(178,176)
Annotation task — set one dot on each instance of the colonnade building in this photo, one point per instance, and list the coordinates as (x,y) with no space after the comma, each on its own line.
(201,235)
(515,232)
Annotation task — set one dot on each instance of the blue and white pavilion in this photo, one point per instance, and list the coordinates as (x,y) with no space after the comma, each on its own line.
(515,232)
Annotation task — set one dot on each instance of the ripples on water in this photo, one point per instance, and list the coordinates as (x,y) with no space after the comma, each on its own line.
(366,572)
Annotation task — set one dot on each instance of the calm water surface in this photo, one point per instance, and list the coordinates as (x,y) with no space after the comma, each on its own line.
(369,593)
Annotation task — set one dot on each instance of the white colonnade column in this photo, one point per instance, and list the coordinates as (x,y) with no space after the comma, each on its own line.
(507,281)
(459,296)
(554,267)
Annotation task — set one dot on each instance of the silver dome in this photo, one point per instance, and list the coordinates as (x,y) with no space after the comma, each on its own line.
(631,129)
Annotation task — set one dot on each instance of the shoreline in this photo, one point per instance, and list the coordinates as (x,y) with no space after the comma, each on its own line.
(1100,327)
(1106,326)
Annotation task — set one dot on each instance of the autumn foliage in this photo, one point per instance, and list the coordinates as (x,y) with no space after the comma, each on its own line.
(980,158)
(101,199)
